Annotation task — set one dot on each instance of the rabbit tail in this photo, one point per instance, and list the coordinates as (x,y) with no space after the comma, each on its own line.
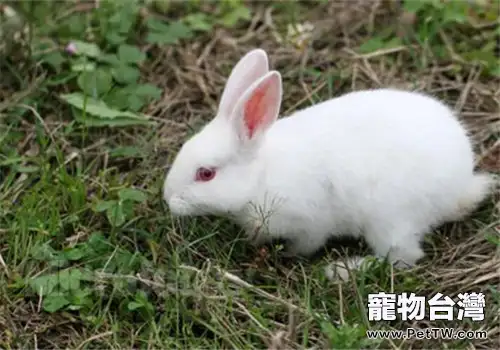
(478,190)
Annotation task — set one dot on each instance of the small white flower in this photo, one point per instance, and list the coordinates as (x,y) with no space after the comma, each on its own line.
(71,48)
(300,34)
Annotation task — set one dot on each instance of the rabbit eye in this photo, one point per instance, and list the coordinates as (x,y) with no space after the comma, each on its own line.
(205,174)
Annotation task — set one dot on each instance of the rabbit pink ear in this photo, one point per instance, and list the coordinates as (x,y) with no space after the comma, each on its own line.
(250,67)
(259,106)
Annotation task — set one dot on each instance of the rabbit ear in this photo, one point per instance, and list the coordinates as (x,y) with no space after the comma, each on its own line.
(259,107)
(250,67)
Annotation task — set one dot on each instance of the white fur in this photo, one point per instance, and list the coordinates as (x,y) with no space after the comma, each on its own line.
(386,165)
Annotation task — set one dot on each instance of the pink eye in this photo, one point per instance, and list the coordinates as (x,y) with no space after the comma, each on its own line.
(205,174)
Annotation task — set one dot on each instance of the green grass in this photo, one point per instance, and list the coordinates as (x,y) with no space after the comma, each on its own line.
(89,255)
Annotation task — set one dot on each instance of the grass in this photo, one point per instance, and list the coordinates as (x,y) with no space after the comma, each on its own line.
(89,255)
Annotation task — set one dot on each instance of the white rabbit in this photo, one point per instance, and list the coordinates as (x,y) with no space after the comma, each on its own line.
(386,165)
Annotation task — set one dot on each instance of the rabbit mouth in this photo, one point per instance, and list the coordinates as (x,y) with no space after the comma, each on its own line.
(179,207)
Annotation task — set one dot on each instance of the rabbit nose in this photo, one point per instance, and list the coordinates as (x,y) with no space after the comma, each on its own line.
(167,193)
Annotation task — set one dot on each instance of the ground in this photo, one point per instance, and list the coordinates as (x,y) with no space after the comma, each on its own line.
(89,255)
